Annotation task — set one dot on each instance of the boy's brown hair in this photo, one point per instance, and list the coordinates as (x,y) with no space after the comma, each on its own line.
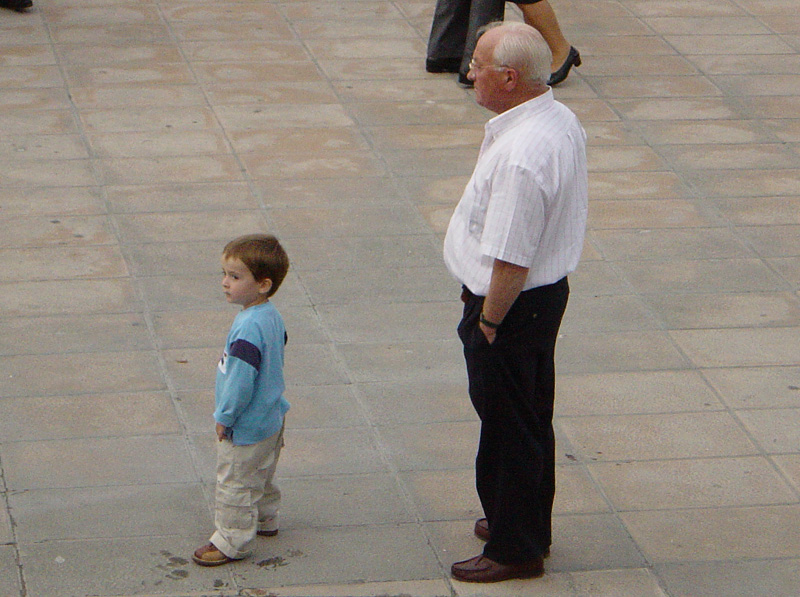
(263,255)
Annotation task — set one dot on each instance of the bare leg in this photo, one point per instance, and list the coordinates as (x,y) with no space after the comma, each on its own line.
(542,17)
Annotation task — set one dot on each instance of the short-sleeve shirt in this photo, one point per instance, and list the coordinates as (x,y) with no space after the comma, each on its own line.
(527,200)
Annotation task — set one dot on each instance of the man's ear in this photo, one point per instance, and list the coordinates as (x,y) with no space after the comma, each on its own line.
(264,286)
(512,79)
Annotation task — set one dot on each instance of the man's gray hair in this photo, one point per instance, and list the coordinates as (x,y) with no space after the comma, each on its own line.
(524,49)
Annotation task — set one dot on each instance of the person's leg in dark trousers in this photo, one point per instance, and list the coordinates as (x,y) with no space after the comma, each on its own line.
(512,388)
(448,36)
(454,32)
(481,12)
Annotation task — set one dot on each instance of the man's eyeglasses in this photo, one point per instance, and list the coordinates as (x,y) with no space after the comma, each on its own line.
(476,67)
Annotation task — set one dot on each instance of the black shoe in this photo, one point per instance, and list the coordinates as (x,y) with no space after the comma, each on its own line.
(442,65)
(18,5)
(573,59)
(464,81)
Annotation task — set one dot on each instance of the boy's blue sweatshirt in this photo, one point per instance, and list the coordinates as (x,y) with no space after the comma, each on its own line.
(249,390)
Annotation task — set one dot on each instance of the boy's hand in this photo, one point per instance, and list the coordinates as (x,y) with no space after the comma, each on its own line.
(222,432)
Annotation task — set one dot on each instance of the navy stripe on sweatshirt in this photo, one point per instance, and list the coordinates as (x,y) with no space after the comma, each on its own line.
(249,353)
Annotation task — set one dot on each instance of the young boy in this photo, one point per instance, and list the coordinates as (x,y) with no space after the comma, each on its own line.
(250,405)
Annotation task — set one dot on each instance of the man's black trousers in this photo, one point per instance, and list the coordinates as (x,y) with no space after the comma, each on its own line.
(512,387)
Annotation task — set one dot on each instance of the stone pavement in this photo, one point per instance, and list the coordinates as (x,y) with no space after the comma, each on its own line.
(138,136)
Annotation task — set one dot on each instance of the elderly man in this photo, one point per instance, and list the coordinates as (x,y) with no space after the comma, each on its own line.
(513,238)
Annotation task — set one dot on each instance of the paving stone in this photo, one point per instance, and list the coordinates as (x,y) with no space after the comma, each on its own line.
(33,147)
(369,322)
(608,314)
(789,465)
(702,483)
(660,213)
(701,275)
(51,172)
(336,222)
(709,534)
(130,565)
(49,515)
(315,407)
(375,362)
(9,571)
(328,501)
(180,198)
(617,351)
(741,346)
(775,430)
(96,462)
(48,263)
(276,143)
(74,333)
(737,579)
(761,211)
(355,163)
(637,185)
(409,401)
(186,226)
(60,201)
(6,535)
(728,310)
(639,581)
(757,387)
(662,244)
(109,97)
(336,256)
(87,416)
(418,447)
(75,373)
(656,436)
(418,588)
(656,86)
(209,168)
(340,554)
(79,297)
(634,392)
(331,451)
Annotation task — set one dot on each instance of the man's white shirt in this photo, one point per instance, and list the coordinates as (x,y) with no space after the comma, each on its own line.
(527,200)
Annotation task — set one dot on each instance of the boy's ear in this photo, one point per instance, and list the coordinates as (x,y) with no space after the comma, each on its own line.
(264,286)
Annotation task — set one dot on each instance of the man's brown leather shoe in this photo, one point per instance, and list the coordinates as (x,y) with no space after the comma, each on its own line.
(482,569)
(482,529)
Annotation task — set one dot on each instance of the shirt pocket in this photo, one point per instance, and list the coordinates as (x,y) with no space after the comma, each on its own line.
(479,206)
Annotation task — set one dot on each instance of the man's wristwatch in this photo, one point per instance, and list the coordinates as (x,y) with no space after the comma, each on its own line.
(487,323)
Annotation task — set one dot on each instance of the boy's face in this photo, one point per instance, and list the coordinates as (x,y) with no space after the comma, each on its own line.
(239,285)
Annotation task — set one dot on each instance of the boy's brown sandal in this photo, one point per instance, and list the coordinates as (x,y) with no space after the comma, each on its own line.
(209,555)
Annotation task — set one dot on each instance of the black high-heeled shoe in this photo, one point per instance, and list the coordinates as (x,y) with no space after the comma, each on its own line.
(573,59)
(18,5)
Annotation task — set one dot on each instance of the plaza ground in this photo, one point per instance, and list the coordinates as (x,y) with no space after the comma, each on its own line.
(137,137)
